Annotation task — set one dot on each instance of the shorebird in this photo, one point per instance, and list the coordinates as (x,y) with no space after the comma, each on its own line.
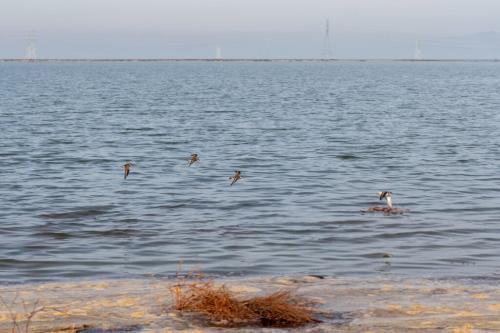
(389,209)
(235,177)
(387,196)
(194,158)
(126,169)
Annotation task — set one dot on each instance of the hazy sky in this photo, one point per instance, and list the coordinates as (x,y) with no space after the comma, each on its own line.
(250,28)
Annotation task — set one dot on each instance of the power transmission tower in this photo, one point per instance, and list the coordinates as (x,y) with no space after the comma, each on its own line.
(31,48)
(417,53)
(327,44)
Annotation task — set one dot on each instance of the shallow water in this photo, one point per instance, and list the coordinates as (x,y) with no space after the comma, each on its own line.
(344,305)
(314,141)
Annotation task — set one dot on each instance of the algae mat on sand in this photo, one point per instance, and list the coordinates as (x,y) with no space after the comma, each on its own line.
(343,305)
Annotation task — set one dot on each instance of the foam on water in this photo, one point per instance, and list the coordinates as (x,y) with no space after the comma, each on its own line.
(342,304)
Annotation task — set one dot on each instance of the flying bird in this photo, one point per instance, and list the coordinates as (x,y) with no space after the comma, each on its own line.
(194,158)
(235,177)
(126,169)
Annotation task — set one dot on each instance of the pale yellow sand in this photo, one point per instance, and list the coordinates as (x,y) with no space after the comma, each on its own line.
(347,305)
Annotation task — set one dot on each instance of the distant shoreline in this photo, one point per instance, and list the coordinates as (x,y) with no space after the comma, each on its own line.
(236,60)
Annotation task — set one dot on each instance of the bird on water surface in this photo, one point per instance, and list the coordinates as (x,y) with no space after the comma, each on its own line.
(389,209)
(387,196)
(235,177)
(194,158)
(126,169)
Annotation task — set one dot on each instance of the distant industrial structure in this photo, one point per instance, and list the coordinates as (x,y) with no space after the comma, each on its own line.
(327,43)
(218,53)
(417,53)
(30,54)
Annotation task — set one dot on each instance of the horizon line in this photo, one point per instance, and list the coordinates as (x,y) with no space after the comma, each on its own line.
(249,59)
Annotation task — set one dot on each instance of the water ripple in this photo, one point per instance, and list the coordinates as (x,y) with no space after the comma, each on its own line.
(315,143)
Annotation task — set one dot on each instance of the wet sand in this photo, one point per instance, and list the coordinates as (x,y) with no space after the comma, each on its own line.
(344,305)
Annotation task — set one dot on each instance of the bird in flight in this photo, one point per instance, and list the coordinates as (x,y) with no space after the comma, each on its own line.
(194,158)
(235,177)
(126,169)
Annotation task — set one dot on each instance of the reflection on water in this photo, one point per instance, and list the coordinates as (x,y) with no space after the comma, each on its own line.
(315,142)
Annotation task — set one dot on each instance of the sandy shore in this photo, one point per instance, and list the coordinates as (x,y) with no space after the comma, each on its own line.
(345,305)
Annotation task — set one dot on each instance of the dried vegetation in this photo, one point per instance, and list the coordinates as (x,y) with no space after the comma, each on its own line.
(223,308)
(21,321)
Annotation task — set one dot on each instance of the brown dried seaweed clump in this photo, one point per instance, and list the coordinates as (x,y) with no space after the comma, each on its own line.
(222,308)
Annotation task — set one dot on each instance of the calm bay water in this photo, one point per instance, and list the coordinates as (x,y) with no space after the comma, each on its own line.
(314,141)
